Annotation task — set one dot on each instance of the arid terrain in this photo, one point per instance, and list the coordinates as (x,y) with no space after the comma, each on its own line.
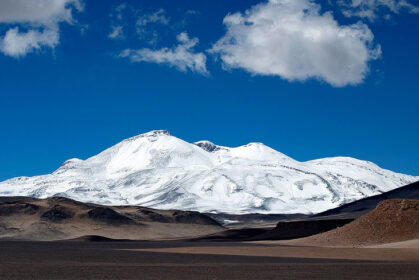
(59,238)
(394,220)
(190,260)
(61,218)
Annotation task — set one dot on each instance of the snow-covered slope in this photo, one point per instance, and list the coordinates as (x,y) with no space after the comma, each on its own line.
(158,170)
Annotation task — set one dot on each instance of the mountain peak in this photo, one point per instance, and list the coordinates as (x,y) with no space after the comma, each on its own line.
(208,146)
(157,170)
(151,135)
(254,144)
(157,132)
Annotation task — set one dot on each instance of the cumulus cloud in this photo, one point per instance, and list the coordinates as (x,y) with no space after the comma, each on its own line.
(18,44)
(181,56)
(294,40)
(370,8)
(40,20)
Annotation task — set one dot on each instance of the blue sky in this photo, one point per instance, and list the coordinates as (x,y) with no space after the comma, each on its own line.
(81,76)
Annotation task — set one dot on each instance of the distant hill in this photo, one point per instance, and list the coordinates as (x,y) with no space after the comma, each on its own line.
(60,218)
(392,220)
(360,207)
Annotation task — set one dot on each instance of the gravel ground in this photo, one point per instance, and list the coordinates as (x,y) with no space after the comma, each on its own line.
(111,260)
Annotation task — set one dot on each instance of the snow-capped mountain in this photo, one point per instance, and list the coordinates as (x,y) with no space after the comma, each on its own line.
(161,171)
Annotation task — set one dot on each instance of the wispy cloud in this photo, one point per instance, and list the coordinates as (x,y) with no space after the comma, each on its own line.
(116,32)
(146,25)
(125,16)
(181,56)
(294,40)
(118,20)
(157,17)
(371,9)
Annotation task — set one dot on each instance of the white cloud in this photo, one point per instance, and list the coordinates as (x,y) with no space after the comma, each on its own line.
(294,40)
(39,18)
(180,56)
(17,44)
(370,8)
(117,32)
(43,12)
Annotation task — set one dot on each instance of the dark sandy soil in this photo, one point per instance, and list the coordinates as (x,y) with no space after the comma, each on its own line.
(122,260)
(282,231)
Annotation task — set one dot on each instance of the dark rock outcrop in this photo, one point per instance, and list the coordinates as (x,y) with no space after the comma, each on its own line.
(107,215)
(57,213)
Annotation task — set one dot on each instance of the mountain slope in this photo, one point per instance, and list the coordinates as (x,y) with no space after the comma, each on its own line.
(392,220)
(360,207)
(158,170)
